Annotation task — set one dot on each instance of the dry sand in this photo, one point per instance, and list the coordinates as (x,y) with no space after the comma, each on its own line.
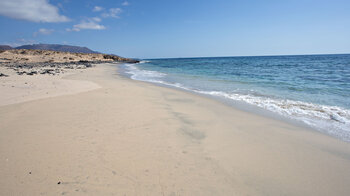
(134,138)
(20,88)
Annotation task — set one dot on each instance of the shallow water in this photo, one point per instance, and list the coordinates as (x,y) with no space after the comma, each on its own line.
(313,89)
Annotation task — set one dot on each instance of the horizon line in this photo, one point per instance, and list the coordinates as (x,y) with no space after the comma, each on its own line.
(269,55)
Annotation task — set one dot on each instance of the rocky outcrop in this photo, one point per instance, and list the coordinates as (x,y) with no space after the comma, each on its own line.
(44,68)
(120,59)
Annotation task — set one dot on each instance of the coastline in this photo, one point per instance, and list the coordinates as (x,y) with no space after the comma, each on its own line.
(235,104)
(301,97)
(131,137)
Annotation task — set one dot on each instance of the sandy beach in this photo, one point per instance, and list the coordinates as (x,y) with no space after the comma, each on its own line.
(95,132)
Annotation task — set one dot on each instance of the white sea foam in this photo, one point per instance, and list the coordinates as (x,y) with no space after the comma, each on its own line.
(332,120)
(143,61)
(144,75)
(329,119)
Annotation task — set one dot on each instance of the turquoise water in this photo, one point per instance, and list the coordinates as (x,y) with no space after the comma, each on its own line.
(313,89)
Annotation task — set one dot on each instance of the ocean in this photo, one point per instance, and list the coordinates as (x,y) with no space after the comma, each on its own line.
(310,89)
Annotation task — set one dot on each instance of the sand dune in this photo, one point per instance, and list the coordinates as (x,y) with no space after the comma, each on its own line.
(39,56)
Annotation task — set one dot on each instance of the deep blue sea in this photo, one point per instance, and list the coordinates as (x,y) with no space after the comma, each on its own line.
(312,89)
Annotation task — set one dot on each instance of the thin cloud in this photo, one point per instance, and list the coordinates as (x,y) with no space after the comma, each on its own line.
(31,10)
(125,3)
(96,19)
(97,9)
(113,12)
(91,23)
(43,31)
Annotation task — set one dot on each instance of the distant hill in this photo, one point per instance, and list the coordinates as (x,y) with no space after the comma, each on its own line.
(5,47)
(40,49)
(57,47)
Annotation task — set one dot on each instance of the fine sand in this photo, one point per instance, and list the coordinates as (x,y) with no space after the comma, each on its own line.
(20,88)
(135,138)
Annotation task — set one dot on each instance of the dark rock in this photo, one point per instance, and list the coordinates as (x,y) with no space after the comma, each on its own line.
(48,71)
(32,73)
(3,75)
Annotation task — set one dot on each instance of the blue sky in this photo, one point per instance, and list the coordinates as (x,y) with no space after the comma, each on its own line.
(181,28)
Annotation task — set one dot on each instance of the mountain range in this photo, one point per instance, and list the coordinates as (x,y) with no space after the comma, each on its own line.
(54,47)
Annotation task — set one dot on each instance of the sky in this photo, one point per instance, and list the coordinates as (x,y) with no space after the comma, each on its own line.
(181,28)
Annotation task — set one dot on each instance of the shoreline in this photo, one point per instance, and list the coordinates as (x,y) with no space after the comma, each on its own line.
(242,106)
(132,137)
